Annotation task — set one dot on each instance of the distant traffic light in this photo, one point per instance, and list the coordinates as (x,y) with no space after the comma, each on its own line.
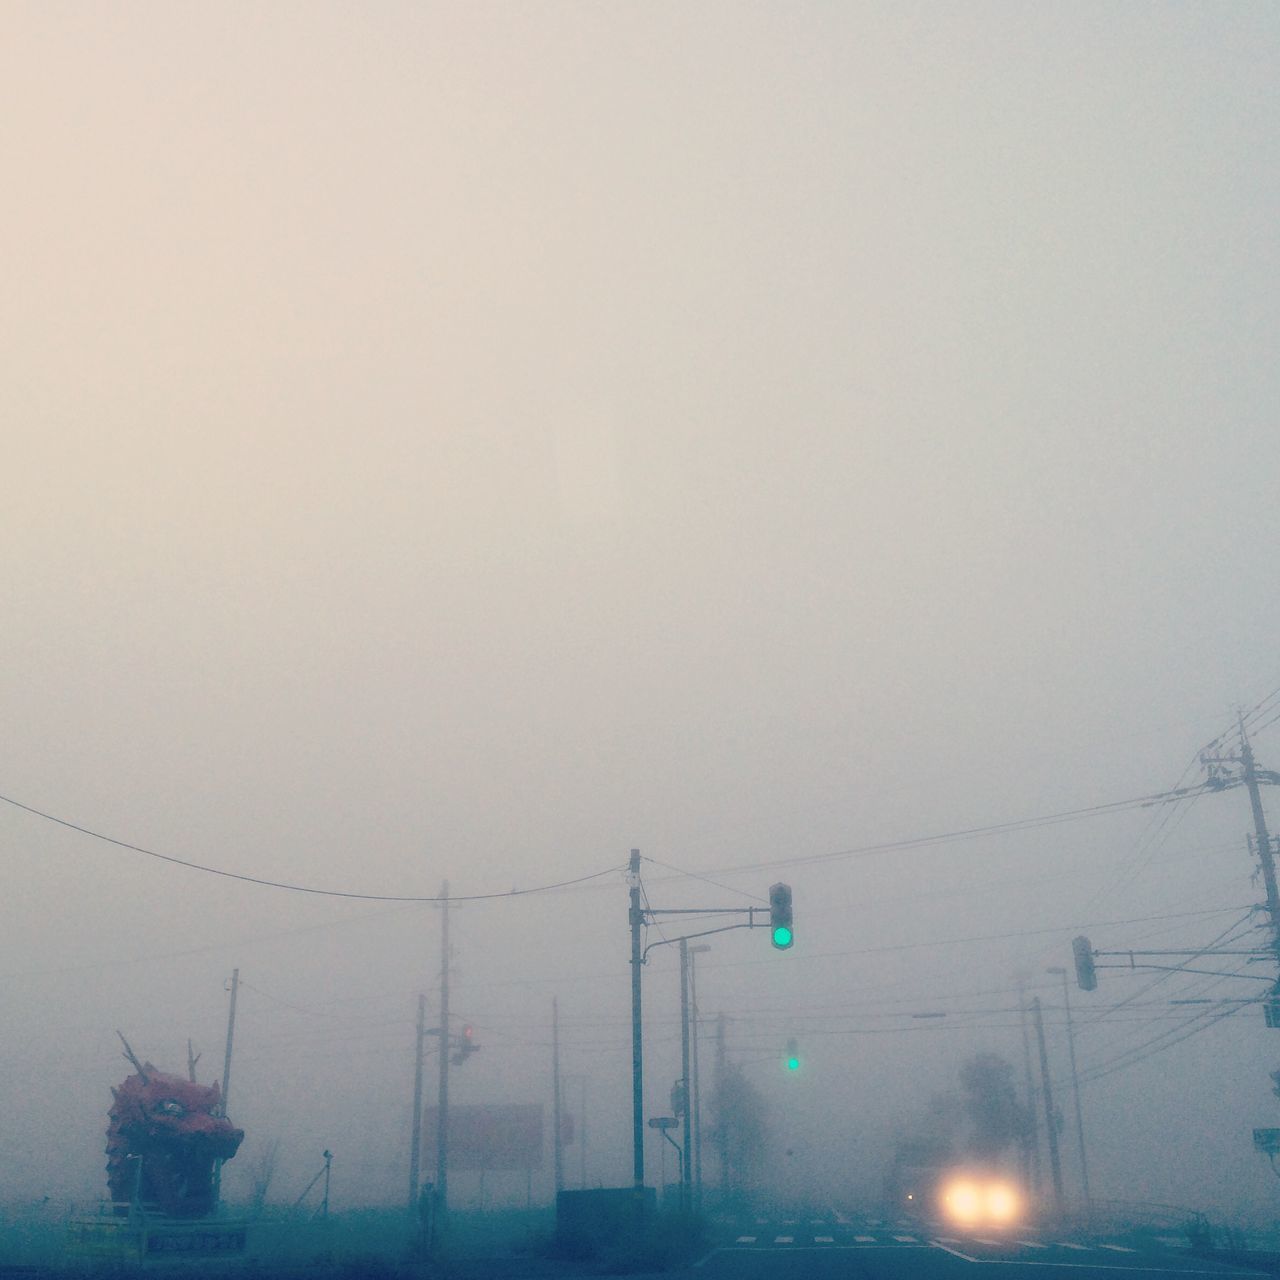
(465,1045)
(1086,974)
(792,1059)
(780,933)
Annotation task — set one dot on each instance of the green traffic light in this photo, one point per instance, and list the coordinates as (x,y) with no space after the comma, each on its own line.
(793,1064)
(782,936)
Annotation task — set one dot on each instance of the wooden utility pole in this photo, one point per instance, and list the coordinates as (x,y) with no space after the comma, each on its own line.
(442,1107)
(415,1142)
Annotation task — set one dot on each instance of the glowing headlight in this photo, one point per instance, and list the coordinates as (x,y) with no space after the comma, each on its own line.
(1002,1202)
(962,1202)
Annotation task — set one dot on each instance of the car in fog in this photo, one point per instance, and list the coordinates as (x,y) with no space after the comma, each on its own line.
(962,1196)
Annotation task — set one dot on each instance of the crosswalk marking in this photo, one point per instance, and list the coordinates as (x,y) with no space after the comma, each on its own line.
(1118,1248)
(783,1239)
(824,1239)
(865,1239)
(745,1240)
(906,1239)
(980,1240)
(1031,1244)
(1067,1244)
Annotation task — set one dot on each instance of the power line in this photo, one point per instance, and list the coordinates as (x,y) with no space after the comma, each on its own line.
(970,833)
(302,888)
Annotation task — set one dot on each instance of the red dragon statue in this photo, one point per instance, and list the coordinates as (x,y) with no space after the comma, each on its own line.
(164,1135)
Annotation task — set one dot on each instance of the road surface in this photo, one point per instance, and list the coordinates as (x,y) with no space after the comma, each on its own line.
(832,1245)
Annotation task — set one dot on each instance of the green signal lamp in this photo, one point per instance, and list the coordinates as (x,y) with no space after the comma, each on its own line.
(780,932)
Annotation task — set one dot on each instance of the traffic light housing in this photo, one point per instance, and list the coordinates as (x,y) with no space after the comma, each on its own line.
(465,1045)
(1086,974)
(780,931)
(792,1060)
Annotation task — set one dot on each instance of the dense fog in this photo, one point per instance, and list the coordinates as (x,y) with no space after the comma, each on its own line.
(828,444)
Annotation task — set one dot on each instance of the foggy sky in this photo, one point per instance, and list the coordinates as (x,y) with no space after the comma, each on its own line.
(466,442)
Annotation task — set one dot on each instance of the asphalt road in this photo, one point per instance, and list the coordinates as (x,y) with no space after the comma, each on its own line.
(822,1246)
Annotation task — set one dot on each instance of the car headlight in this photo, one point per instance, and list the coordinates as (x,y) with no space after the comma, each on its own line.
(1002,1202)
(962,1202)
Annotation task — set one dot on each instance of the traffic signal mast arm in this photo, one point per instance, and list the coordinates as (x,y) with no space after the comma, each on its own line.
(779,912)
(724,928)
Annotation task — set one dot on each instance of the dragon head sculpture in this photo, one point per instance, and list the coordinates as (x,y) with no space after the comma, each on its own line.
(163,1138)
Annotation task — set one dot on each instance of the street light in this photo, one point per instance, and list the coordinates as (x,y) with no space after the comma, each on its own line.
(1075,1084)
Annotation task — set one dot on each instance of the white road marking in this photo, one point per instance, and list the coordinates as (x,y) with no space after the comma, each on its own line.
(783,1239)
(865,1239)
(1067,1244)
(906,1239)
(1031,1244)
(824,1239)
(1171,1241)
(1118,1248)
(980,1240)
(745,1240)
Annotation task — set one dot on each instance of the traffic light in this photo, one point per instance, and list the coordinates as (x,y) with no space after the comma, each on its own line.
(793,1056)
(780,933)
(465,1045)
(1086,975)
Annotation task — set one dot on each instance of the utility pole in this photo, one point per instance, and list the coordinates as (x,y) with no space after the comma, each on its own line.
(415,1142)
(555,1090)
(1031,1143)
(1050,1120)
(722,1124)
(686,1153)
(582,1132)
(1265,854)
(697,1091)
(442,1106)
(231,1035)
(637,1049)
(226,1075)
(1075,1089)
(1219,778)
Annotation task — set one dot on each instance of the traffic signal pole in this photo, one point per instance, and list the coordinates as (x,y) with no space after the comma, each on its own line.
(782,937)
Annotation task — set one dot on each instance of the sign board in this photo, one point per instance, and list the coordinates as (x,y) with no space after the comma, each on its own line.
(489,1137)
(663,1122)
(1267,1141)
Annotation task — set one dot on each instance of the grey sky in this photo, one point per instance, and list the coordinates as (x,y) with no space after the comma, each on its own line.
(464,442)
